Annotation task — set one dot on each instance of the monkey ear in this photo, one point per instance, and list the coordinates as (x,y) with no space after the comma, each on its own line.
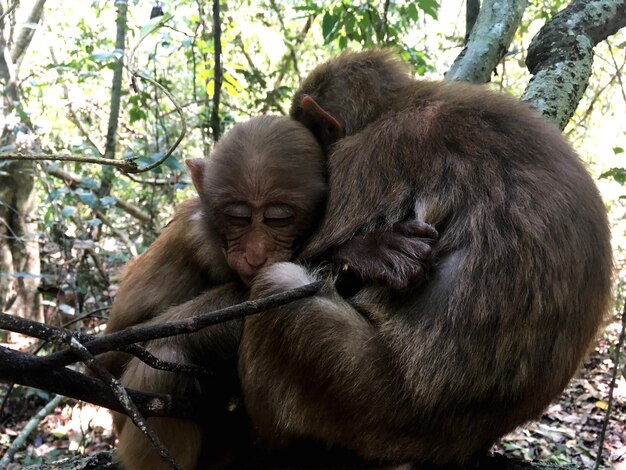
(196,168)
(330,129)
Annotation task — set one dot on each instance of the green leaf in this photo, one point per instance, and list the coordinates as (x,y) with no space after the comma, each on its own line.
(173,163)
(430,7)
(154,24)
(87,197)
(617,150)
(136,114)
(107,201)
(103,56)
(89,182)
(618,174)
(412,12)
(68,211)
(328,25)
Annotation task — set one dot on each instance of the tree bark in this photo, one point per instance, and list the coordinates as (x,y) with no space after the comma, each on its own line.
(488,42)
(108,173)
(560,56)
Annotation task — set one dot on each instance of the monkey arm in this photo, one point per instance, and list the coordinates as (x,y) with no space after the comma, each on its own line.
(215,348)
(183,261)
(399,258)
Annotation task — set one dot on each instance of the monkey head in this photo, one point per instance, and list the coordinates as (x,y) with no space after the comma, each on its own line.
(263,188)
(340,97)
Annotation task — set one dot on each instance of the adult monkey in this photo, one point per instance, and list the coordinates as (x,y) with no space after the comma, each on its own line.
(522,282)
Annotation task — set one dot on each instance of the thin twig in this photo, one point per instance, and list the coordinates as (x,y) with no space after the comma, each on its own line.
(609,407)
(123,165)
(11,386)
(20,440)
(9,10)
(134,73)
(62,336)
(183,122)
(122,396)
(136,334)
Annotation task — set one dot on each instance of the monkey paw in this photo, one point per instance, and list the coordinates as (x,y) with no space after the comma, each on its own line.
(399,258)
(279,277)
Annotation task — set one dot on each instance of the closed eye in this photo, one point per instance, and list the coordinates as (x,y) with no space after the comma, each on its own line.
(279,215)
(237,214)
(279,221)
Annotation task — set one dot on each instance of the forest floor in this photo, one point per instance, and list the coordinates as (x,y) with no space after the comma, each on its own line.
(567,433)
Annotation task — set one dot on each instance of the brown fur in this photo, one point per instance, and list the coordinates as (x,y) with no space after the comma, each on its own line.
(268,167)
(520,287)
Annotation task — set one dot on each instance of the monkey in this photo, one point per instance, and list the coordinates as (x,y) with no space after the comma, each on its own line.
(259,197)
(235,225)
(519,285)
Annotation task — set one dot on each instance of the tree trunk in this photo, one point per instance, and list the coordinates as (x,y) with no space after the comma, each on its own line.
(108,172)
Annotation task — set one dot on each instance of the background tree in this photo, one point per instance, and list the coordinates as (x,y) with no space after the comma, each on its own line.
(19,255)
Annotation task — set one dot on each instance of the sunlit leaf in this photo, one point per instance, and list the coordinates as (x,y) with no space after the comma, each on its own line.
(107,201)
(430,7)
(618,174)
(153,24)
(68,211)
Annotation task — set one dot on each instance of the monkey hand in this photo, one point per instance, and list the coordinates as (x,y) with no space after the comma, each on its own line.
(399,258)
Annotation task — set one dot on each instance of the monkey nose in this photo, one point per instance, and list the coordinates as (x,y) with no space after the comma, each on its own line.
(255,261)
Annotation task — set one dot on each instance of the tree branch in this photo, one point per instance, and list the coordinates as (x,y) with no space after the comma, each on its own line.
(27,32)
(130,409)
(26,369)
(61,335)
(560,56)
(488,42)
(137,334)
(123,165)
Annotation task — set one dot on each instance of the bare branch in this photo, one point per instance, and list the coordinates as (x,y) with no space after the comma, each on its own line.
(217,76)
(28,429)
(73,178)
(60,335)
(25,369)
(124,165)
(136,334)
(609,408)
(120,393)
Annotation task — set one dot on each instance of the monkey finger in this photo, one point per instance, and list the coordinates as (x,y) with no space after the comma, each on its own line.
(416,228)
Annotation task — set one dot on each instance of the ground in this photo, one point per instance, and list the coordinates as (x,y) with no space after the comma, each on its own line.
(567,433)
